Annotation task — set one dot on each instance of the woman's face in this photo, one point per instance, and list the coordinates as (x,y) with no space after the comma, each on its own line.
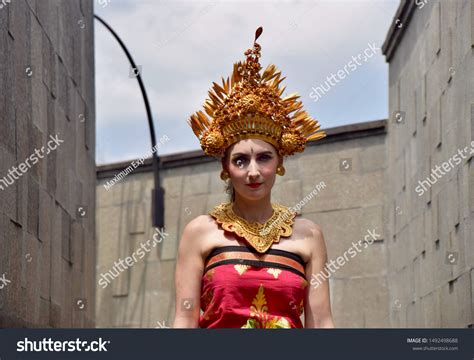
(252,161)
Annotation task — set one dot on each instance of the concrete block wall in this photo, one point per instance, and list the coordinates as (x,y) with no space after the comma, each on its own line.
(430,233)
(348,209)
(348,206)
(47,214)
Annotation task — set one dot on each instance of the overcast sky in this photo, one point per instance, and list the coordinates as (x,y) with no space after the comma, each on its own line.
(182,47)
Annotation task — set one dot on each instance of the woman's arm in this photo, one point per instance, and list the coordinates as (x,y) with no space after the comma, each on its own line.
(189,268)
(317,306)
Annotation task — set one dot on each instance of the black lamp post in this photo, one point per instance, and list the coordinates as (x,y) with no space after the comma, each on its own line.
(157,202)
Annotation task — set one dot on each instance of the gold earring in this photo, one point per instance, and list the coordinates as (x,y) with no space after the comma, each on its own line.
(224,175)
(281,170)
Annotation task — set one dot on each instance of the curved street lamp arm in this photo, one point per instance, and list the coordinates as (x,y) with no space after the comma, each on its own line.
(158,191)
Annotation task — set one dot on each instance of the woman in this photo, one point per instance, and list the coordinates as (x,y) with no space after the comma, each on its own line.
(248,263)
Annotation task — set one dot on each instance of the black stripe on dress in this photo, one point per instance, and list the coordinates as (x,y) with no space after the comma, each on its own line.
(278,252)
(256,263)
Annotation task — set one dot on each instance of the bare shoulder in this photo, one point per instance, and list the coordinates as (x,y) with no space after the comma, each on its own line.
(200,224)
(308,228)
(312,234)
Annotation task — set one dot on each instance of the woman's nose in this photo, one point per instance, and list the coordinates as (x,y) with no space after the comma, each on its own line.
(253,169)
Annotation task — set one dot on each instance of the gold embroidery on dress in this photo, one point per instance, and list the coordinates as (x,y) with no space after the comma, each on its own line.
(208,297)
(301,307)
(274,272)
(259,317)
(241,268)
(210,274)
(207,304)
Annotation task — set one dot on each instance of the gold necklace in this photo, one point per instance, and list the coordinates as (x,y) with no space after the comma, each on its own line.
(259,236)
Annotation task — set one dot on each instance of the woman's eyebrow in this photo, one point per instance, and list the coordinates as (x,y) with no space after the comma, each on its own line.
(260,153)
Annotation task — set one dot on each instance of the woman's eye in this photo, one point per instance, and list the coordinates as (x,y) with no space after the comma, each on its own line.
(239,163)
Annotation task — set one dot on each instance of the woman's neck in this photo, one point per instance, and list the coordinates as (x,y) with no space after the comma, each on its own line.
(253,211)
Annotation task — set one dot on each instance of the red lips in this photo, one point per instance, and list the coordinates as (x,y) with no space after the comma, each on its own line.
(254,185)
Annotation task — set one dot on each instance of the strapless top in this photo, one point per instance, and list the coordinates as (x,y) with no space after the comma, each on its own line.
(242,288)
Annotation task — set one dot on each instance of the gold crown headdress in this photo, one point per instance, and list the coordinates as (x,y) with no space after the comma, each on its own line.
(249,105)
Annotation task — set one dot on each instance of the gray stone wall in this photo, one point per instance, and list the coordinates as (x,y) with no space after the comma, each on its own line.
(419,270)
(430,230)
(350,162)
(47,210)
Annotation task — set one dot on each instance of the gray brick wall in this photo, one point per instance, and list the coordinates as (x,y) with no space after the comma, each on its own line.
(47,88)
(430,234)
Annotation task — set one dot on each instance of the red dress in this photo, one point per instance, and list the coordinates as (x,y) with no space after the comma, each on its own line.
(242,288)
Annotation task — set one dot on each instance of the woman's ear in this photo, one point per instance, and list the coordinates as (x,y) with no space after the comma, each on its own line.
(280,160)
(224,162)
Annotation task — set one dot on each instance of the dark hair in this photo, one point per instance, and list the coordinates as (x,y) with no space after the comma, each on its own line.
(229,188)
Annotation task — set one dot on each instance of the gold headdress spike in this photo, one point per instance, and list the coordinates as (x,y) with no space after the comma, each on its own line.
(249,105)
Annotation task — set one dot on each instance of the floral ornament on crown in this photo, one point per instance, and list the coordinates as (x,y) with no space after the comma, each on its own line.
(249,104)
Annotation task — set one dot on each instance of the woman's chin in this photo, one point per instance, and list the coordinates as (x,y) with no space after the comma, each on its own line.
(254,194)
